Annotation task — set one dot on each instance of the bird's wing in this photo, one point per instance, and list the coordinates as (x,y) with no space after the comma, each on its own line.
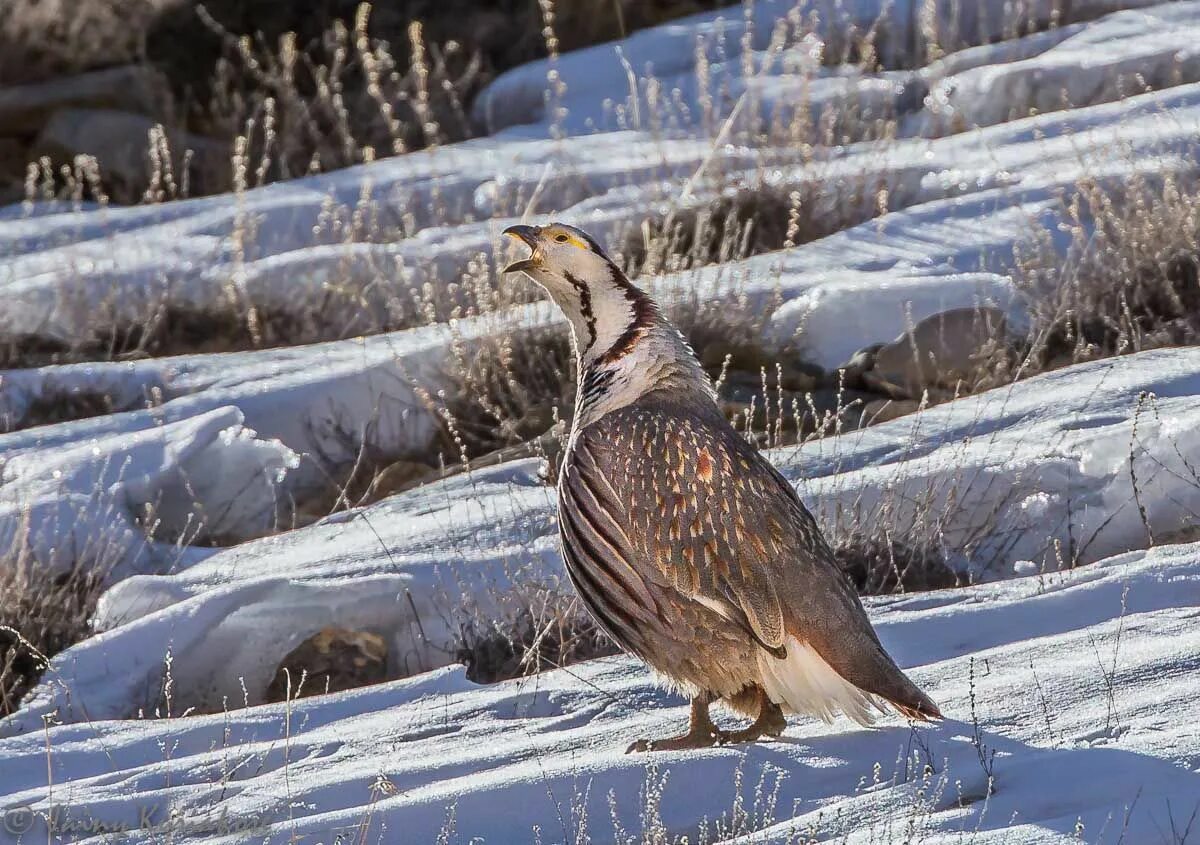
(700,510)
(706,514)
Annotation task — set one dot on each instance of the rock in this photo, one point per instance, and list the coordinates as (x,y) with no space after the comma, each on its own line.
(879,384)
(11,194)
(332,660)
(742,356)
(938,352)
(24,109)
(120,143)
(882,410)
(13,158)
(396,478)
(851,375)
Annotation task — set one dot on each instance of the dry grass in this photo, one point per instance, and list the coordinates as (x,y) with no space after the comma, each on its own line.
(1130,279)
(167,330)
(550,631)
(309,88)
(53,406)
(745,221)
(507,390)
(41,614)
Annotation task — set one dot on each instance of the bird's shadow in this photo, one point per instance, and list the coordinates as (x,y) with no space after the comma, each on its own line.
(954,778)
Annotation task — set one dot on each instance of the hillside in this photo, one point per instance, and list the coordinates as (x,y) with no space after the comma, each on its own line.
(940,259)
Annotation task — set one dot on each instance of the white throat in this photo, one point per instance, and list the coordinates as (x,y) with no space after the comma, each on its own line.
(624,347)
(600,320)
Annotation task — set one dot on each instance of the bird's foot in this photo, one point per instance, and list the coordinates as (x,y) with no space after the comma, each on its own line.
(683,742)
(748,734)
(770,723)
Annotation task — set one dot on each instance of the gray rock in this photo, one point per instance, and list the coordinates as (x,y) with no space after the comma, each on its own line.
(937,353)
(120,143)
(882,410)
(851,374)
(24,109)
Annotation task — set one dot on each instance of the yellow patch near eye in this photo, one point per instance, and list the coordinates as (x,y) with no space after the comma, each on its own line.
(567,238)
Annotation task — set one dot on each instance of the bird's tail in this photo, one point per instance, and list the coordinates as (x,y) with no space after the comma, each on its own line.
(804,682)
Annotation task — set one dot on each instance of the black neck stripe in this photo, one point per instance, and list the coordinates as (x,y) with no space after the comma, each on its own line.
(585,308)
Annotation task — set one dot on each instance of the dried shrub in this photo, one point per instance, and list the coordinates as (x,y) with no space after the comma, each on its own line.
(507,390)
(56,406)
(1130,279)
(491,37)
(41,614)
(743,222)
(547,634)
(879,566)
(360,463)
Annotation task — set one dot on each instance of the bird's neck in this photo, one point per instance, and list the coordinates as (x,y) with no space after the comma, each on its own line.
(625,348)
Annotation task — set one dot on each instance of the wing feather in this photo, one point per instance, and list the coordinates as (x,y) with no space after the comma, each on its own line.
(682,495)
(687,503)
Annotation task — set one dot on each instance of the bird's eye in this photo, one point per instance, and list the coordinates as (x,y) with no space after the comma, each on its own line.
(562,239)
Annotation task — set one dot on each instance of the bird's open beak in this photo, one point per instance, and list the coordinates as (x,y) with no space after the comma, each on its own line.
(528,235)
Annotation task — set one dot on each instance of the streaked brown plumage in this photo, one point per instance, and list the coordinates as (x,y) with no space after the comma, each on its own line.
(686,545)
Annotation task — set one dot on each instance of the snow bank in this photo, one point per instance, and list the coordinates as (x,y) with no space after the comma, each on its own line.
(1064,469)
(1074,693)
(609,85)
(1126,52)
(405,569)
(94,504)
(361,246)
(311,408)
(69,276)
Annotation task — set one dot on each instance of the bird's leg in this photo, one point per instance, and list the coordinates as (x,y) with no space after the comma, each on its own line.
(702,733)
(770,722)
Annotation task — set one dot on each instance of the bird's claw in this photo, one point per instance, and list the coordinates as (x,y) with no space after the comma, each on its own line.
(698,739)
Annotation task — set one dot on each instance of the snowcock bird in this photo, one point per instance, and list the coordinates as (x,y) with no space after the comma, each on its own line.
(689,549)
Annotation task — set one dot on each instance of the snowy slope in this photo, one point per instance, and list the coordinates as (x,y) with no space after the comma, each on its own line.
(1006,479)
(597,92)
(386,229)
(1082,687)
(965,201)
(1083,682)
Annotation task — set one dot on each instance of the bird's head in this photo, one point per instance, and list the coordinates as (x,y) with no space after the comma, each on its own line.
(602,305)
(558,253)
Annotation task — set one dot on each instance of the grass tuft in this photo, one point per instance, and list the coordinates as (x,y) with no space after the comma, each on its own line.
(41,614)
(549,632)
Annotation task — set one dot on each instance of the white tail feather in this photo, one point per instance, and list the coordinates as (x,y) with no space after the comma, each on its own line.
(804,683)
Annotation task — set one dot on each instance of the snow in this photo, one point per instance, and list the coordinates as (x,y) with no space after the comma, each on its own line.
(1073,650)
(599,93)
(1130,51)
(90,504)
(1003,477)
(1029,658)
(378,232)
